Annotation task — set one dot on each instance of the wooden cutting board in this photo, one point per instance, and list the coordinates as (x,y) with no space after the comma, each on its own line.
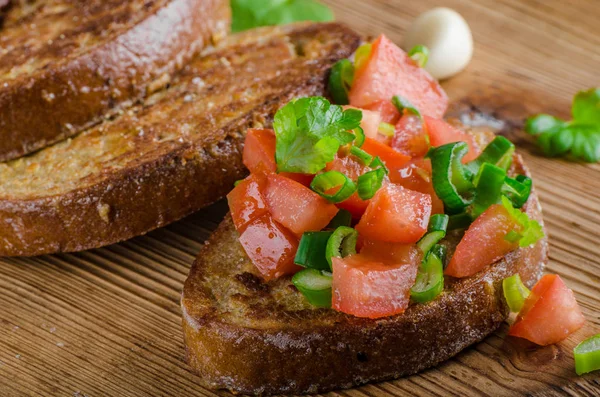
(107,322)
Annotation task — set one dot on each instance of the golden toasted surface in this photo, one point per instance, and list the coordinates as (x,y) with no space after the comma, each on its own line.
(209,93)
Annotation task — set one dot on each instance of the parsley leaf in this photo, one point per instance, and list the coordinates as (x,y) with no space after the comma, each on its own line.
(248,14)
(579,138)
(531,229)
(309,133)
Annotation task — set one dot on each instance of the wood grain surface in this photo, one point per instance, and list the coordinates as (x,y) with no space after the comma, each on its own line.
(107,322)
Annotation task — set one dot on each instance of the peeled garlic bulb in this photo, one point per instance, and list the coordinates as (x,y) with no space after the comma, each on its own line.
(448,37)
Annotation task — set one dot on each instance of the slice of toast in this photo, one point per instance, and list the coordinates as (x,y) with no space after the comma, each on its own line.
(65,64)
(256,337)
(176,153)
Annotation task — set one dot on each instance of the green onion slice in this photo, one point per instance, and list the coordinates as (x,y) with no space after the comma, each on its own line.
(387,129)
(360,136)
(498,152)
(587,355)
(517,190)
(378,163)
(362,55)
(438,222)
(430,280)
(341,243)
(427,242)
(515,292)
(364,157)
(333,179)
(312,250)
(441,252)
(489,182)
(340,81)
(342,218)
(419,54)
(315,285)
(459,221)
(451,181)
(369,183)
(403,104)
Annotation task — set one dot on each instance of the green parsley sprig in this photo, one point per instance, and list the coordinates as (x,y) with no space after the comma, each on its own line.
(248,14)
(309,133)
(579,138)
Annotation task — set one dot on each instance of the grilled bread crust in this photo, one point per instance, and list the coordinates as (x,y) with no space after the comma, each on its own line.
(176,153)
(253,337)
(65,64)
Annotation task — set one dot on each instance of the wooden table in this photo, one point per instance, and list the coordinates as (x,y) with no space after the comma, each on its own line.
(107,322)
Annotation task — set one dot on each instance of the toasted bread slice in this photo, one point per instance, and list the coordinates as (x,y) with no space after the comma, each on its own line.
(256,337)
(65,64)
(177,153)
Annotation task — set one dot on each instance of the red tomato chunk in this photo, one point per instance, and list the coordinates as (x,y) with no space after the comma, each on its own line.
(390,157)
(550,313)
(247,202)
(370,122)
(364,288)
(391,253)
(259,150)
(297,207)
(270,247)
(483,243)
(416,175)
(353,168)
(396,214)
(441,133)
(390,71)
(389,113)
(410,137)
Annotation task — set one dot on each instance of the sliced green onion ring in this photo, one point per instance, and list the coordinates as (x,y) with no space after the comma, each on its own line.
(515,292)
(341,243)
(459,221)
(312,250)
(315,285)
(403,104)
(498,152)
(362,55)
(430,280)
(587,355)
(488,188)
(427,242)
(340,81)
(360,136)
(518,190)
(451,181)
(441,252)
(387,129)
(333,179)
(438,222)
(419,54)
(369,183)
(378,163)
(342,218)
(364,157)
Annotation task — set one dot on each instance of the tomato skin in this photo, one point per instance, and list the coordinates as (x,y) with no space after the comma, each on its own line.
(297,207)
(483,243)
(370,121)
(396,214)
(391,253)
(259,150)
(441,133)
(416,175)
(410,137)
(390,71)
(550,313)
(390,157)
(353,168)
(270,247)
(389,113)
(364,288)
(247,202)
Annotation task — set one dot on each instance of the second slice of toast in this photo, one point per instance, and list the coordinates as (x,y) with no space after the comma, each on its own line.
(176,153)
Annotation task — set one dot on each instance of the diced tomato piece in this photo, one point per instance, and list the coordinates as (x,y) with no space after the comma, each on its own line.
(270,247)
(550,313)
(396,214)
(410,137)
(416,175)
(297,207)
(390,157)
(391,253)
(247,201)
(390,71)
(259,150)
(441,133)
(365,288)
(389,113)
(353,168)
(304,179)
(484,242)
(370,122)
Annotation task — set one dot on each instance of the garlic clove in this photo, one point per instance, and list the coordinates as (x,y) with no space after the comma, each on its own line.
(448,37)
